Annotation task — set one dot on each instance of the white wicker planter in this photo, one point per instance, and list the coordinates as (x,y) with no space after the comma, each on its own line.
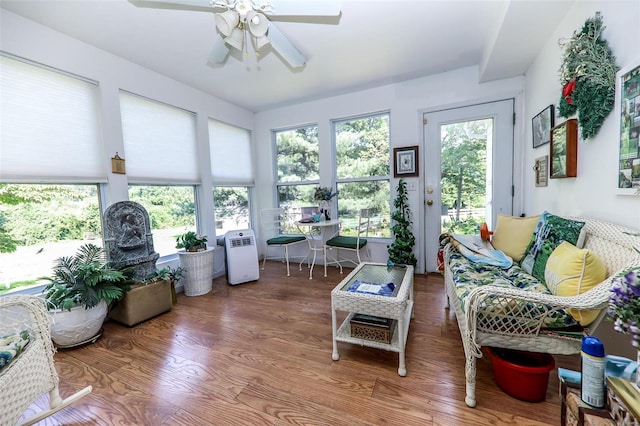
(70,328)
(199,271)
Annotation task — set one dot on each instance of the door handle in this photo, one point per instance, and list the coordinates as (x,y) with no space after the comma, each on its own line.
(429,202)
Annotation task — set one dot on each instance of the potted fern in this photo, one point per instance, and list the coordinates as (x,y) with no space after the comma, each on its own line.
(78,295)
(401,250)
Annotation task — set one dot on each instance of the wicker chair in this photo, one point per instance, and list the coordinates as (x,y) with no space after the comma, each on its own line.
(512,327)
(31,373)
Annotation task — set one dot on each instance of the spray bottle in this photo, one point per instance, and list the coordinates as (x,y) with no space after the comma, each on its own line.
(593,363)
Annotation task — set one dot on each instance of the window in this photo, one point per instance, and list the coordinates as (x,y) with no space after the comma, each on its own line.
(159,141)
(233,177)
(50,132)
(231,208)
(162,166)
(298,169)
(172,212)
(362,172)
(39,224)
(49,126)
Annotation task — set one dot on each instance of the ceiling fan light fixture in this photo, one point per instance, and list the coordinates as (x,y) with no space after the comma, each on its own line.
(258,23)
(236,39)
(227,21)
(243,7)
(260,42)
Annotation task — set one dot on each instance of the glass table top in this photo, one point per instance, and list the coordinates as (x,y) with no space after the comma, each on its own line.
(377,274)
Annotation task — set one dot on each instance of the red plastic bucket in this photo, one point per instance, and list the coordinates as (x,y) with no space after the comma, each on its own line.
(523,375)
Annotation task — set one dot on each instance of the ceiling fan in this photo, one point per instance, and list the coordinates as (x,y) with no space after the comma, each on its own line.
(237,21)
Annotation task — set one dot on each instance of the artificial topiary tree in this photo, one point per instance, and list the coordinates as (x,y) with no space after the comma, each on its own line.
(401,250)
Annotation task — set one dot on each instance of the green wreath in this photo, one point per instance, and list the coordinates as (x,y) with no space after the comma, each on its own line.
(588,77)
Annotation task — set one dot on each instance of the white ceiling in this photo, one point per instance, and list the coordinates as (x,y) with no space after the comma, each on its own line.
(372,43)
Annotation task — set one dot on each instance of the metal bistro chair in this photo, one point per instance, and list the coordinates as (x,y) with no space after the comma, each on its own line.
(273,222)
(343,242)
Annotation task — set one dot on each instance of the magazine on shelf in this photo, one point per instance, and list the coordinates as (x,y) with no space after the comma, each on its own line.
(366,287)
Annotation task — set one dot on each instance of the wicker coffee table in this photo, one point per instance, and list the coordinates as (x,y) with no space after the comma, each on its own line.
(398,306)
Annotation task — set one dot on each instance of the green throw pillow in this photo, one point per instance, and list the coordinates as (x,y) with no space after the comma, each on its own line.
(550,231)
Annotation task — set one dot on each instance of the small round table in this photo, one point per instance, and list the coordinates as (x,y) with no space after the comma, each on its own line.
(315,245)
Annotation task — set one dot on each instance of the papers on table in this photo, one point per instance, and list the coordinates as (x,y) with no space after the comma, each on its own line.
(366,287)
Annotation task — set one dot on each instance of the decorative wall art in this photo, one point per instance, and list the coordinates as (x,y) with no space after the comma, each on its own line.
(588,77)
(629,113)
(405,162)
(117,165)
(541,168)
(564,150)
(541,126)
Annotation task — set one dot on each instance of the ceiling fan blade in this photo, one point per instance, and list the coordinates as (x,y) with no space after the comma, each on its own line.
(305,8)
(280,44)
(202,5)
(220,50)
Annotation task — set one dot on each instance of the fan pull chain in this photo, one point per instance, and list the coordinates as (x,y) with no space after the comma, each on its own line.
(247,40)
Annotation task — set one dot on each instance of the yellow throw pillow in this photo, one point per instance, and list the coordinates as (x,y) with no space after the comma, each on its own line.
(571,271)
(512,235)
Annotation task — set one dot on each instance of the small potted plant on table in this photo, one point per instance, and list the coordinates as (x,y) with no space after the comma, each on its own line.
(197,261)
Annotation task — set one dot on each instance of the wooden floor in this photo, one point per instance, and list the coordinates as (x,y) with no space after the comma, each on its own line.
(260,354)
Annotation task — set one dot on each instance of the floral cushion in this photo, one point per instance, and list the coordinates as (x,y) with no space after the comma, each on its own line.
(468,275)
(11,346)
(550,231)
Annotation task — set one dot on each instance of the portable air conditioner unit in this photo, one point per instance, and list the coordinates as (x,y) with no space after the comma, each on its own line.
(242,256)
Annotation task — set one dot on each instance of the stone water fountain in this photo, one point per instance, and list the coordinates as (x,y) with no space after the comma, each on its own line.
(128,239)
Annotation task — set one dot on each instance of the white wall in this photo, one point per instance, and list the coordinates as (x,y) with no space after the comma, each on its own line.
(407,102)
(27,39)
(593,192)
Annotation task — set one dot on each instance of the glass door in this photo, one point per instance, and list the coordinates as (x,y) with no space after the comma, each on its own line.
(469,170)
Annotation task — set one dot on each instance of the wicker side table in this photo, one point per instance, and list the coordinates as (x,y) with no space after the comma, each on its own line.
(575,412)
(397,307)
(623,400)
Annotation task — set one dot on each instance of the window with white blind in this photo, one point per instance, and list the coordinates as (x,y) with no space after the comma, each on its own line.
(50,125)
(231,161)
(50,133)
(160,148)
(232,173)
(160,142)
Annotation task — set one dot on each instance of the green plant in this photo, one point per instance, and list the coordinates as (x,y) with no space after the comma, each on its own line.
(324,193)
(190,240)
(171,274)
(401,250)
(84,279)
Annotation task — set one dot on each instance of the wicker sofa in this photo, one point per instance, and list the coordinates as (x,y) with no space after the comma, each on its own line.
(515,325)
(28,367)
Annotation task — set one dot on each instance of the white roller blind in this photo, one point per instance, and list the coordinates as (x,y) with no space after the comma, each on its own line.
(49,123)
(159,141)
(230,154)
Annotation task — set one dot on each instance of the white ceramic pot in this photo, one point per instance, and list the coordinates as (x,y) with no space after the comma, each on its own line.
(69,328)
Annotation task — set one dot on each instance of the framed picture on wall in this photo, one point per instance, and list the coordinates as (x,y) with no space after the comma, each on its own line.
(564,150)
(405,162)
(541,169)
(628,96)
(541,126)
